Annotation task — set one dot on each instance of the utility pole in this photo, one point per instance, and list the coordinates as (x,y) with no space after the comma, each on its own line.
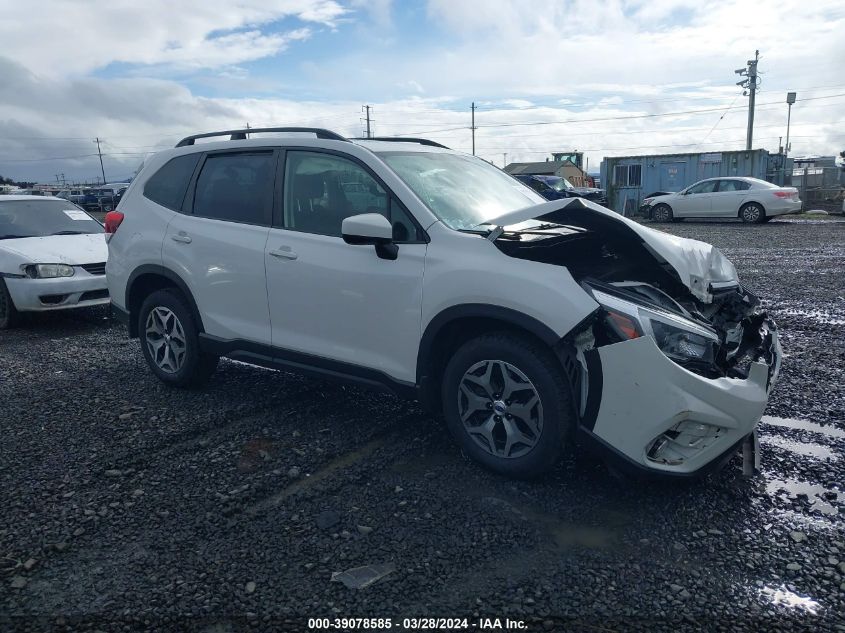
(473,128)
(750,89)
(504,160)
(102,169)
(366,108)
(247,127)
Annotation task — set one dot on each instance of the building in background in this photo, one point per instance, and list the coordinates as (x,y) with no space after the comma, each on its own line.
(630,179)
(564,164)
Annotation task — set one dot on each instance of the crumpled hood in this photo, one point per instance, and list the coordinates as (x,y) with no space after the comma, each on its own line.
(89,248)
(698,264)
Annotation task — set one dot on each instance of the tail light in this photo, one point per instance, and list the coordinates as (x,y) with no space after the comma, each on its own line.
(783,194)
(112,221)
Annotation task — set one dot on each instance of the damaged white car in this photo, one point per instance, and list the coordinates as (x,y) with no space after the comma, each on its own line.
(401,264)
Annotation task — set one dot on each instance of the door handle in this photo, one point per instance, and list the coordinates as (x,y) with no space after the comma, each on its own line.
(284,252)
(181,237)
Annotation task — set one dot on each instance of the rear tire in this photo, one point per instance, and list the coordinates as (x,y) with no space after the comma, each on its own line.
(9,315)
(752,213)
(662,213)
(508,404)
(170,341)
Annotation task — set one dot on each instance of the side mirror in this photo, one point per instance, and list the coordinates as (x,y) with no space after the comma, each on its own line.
(370,229)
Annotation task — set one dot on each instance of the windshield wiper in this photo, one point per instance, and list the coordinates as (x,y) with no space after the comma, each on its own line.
(68,233)
(12,237)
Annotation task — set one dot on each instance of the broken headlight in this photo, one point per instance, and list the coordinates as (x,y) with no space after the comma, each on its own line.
(679,338)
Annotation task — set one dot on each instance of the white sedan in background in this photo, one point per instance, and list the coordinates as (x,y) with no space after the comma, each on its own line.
(750,199)
(52,257)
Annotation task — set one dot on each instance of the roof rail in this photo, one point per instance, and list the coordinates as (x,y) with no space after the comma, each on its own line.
(239,135)
(401,139)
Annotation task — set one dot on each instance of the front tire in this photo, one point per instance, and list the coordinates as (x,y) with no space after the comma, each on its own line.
(170,341)
(508,404)
(662,213)
(9,315)
(752,213)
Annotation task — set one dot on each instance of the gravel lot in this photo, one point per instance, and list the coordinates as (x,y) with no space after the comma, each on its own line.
(126,504)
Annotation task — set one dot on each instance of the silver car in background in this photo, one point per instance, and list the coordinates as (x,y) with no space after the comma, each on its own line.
(750,199)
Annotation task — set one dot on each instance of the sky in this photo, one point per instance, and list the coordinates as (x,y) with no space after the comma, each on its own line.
(612,78)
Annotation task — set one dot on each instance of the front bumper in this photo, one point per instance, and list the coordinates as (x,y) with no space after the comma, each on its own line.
(45,295)
(638,399)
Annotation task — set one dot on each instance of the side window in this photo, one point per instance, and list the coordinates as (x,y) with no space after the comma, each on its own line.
(236,187)
(537,185)
(168,185)
(321,190)
(704,187)
(733,185)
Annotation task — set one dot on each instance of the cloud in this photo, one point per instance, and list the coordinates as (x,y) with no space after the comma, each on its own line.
(75,38)
(588,67)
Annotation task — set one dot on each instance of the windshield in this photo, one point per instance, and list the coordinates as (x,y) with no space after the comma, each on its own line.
(39,218)
(462,191)
(558,183)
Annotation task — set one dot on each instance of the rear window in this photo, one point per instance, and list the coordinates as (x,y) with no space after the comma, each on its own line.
(168,185)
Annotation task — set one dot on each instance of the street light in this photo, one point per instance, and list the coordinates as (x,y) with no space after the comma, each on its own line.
(790,99)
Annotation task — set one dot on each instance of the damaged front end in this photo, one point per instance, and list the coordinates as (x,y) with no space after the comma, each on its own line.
(678,359)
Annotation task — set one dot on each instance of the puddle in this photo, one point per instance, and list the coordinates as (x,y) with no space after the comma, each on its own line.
(804,425)
(808,449)
(784,597)
(814,523)
(814,492)
(564,534)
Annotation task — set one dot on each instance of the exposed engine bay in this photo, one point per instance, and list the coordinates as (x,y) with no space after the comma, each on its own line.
(641,294)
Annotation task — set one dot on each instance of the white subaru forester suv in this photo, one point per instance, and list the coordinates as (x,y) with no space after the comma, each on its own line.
(404,265)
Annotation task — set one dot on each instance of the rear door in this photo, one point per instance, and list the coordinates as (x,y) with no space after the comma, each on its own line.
(696,202)
(336,304)
(217,245)
(729,197)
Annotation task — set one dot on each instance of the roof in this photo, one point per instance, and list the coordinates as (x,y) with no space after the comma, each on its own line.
(712,151)
(544,168)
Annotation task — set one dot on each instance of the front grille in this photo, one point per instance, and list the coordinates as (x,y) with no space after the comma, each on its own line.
(95,269)
(94,294)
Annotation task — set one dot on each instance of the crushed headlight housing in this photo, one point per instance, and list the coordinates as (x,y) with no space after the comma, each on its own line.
(681,339)
(48,271)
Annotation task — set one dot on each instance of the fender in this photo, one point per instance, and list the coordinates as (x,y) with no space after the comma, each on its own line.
(478,310)
(161,271)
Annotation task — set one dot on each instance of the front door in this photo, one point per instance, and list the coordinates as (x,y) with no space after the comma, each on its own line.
(696,202)
(333,303)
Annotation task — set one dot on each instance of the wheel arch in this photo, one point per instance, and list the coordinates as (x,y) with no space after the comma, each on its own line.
(149,278)
(454,325)
(745,203)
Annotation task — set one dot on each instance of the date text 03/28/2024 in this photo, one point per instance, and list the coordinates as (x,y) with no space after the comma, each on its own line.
(422,624)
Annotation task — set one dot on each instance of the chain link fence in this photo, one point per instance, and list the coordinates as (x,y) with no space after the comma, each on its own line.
(820,188)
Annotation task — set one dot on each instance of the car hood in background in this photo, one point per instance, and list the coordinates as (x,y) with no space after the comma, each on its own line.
(586,191)
(89,248)
(700,266)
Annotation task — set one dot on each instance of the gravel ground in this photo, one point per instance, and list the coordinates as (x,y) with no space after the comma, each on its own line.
(126,504)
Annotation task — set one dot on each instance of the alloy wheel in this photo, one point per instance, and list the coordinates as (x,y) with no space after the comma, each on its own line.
(165,339)
(500,408)
(661,214)
(751,213)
